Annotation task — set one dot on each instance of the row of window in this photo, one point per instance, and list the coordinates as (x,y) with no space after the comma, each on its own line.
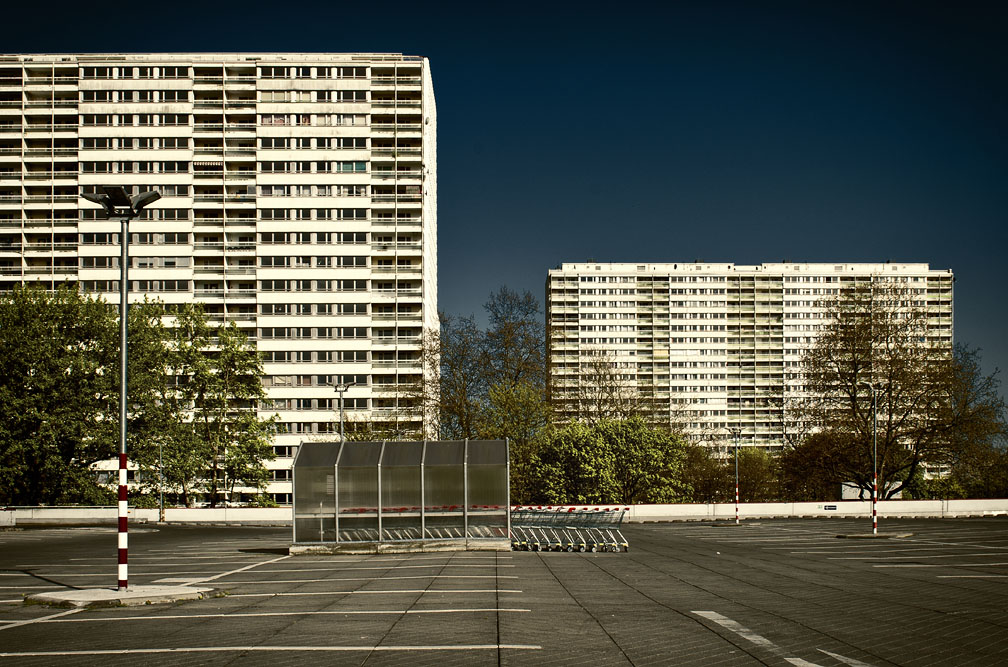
(273,333)
(313,309)
(316,356)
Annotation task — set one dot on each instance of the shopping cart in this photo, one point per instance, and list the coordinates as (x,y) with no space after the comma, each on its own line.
(568,529)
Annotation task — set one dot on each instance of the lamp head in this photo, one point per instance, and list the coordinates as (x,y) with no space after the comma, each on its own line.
(116,203)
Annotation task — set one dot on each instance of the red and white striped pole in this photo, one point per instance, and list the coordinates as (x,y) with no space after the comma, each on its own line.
(874,507)
(123,533)
(123,354)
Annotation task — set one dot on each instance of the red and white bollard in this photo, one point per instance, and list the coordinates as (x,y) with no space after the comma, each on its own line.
(736,505)
(874,507)
(123,534)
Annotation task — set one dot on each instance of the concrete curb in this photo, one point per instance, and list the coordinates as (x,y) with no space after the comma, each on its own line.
(110,597)
(417,546)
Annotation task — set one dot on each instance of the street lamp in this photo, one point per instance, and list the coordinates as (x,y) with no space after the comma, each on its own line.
(736,432)
(341,388)
(874,507)
(117,204)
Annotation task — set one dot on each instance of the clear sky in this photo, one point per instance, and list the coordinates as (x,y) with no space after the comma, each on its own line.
(725,131)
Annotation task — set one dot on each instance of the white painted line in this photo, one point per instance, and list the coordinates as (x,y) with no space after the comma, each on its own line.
(274,649)
(348,612)
(847,661)
(972,576)
(398,592)
(981,555)
(945,565)
(751,636)
(737,628)
(177,580)
(18,588)
(240,569)
(40,619)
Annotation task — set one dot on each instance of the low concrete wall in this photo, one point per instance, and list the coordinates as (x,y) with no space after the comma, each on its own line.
(842,508)
(281,516)
(97,516)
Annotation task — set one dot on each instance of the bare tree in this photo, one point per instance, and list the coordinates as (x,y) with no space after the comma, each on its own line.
(878,336)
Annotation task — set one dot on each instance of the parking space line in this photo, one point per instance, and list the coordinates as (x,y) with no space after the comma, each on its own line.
(914,556)
(972,576)
(905,565)
(40,619)
(274,649)
(412,591)
(749,635)
(240,569)
(264,614)
(332,579)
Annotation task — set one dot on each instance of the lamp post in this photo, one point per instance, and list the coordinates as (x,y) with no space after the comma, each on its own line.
(736,432)
(117,204)
(874,507)
(341,388)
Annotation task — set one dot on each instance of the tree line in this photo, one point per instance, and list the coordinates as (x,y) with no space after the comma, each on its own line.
(192,392)
(194,389)
(940,424)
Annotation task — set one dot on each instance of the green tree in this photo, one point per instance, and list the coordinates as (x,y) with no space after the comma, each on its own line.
(214,439)
(706,475)
(518,413)
(647,462)
(758,475)
(811,470)
(59,393)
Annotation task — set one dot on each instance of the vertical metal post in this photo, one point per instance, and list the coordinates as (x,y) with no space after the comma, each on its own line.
(507,469)
(336,490)
(465,490)
(736,480)
(160,454)
(123,354)
(423,493)
(874,508)
(381,454)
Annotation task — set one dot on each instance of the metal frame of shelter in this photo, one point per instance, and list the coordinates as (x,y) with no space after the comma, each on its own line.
(389,491)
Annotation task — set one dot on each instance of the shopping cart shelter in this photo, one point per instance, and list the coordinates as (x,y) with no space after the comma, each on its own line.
(390,496)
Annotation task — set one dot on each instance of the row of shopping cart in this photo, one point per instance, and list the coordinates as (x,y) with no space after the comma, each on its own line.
(567,529)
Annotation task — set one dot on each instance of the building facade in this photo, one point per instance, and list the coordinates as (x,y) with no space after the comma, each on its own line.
(715,347)
(299,200)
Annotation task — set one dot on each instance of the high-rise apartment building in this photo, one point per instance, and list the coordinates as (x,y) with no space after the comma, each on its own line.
(299,200)
(716,347)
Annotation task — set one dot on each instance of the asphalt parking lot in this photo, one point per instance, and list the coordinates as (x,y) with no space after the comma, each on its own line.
(770,592)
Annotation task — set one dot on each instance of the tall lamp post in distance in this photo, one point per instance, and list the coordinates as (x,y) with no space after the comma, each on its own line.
(341,389)
(874,404)
(117,204)
(736,431)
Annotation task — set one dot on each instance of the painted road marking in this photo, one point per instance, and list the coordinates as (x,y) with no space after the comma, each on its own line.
(944,565)
(276,649)
(972,576)
(391,592)
(40,619)
(240,569)
(174,580)
(348,612)
(847,661)
(912,556)
(749,635)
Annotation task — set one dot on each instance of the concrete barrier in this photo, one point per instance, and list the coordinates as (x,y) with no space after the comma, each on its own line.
(281,516)
(97,516)
(840,508)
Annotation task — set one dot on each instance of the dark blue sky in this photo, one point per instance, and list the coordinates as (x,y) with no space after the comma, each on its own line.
(725,131)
